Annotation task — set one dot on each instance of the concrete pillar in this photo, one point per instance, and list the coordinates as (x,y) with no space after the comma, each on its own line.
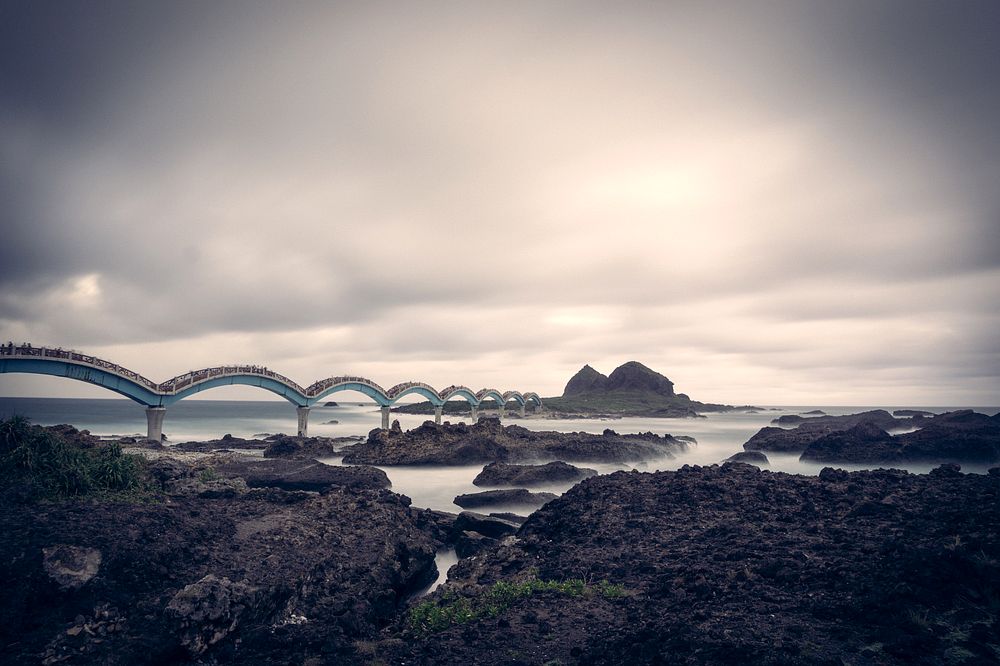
(475,414)
(500,410)
(437,415)
(385,417)
(523,414)
(303,413)
(154,423)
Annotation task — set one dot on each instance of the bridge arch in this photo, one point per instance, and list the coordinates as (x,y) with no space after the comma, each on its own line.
(460,392)
(291,393)
(367,387)
(531,396)
(513,395)
(406,388)
(140,391)
(490,394)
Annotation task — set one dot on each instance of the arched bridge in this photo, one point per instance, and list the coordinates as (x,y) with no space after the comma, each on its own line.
(157,397)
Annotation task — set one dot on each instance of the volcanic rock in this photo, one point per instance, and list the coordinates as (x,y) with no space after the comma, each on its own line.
(585,380)
(506,496)
(469,521)
(634,376)
(503,474)
(797,439)
(489,441)
(304,475)
(864,443)
(205,612)
(749,457)
(71,567)
(732,565)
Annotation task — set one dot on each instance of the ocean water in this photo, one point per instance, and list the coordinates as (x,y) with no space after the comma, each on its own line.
(719,435)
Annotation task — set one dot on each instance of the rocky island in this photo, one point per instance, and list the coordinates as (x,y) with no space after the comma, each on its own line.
(632,389)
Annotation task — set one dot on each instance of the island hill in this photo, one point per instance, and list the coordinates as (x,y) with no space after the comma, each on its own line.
(632,389)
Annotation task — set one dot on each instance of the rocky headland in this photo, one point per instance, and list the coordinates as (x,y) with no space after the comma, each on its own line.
(962,436)
(490,441)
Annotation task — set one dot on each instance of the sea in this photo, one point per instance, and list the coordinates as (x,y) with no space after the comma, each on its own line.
(719,435)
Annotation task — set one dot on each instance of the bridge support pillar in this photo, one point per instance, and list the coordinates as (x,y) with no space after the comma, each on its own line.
(303,414)
(475,415)
(500,411)
(385,417)
(523,414)
(154,423)
(437,415)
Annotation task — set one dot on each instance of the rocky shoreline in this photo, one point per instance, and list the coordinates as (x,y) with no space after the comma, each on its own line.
(226,558)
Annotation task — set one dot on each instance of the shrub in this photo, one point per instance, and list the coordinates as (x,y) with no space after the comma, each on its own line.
(50,467)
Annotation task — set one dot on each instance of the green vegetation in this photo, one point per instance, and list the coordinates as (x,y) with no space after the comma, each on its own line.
(433,616)
(208,474)
(46,466)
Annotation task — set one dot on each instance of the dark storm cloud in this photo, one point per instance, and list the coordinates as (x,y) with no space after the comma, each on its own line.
(761,198)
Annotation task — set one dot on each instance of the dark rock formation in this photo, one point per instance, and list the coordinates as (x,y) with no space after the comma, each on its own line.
(864,443)
(911,412)
(586,380)
(797,439)
(489,441)
(506,496)
(252,579)
(815,412)
(962,436)
(469,521)
(634,376)
(304,475)
(71,567)
(285,446)
(749,457)
(503,474)
(733,565)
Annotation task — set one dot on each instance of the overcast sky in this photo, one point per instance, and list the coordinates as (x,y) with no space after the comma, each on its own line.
(769,202)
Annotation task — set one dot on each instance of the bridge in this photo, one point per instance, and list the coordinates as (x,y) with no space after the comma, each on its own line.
(156,398)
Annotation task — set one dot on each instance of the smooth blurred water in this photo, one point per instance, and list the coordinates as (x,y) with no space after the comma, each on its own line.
(719,435)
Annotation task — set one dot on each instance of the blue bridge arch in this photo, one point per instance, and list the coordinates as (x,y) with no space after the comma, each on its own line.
(156,398)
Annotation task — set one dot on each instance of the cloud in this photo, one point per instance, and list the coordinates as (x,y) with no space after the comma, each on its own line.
(761,201)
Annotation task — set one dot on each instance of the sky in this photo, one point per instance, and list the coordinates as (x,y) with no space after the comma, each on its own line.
(768,202)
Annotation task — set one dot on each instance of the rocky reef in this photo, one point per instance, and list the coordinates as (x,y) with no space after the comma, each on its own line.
(729,565)
(962,436)
(490,441)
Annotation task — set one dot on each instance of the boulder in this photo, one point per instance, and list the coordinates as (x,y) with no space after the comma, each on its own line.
(508,496)
(298,447)
(468,543)
(864,443)
(504,474)
(205,612)
(71,567)
(749,457)
(469,521)
(304,475)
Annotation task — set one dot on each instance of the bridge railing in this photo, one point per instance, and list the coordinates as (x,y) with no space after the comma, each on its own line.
(181,382)
(76,357)
(318,387)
